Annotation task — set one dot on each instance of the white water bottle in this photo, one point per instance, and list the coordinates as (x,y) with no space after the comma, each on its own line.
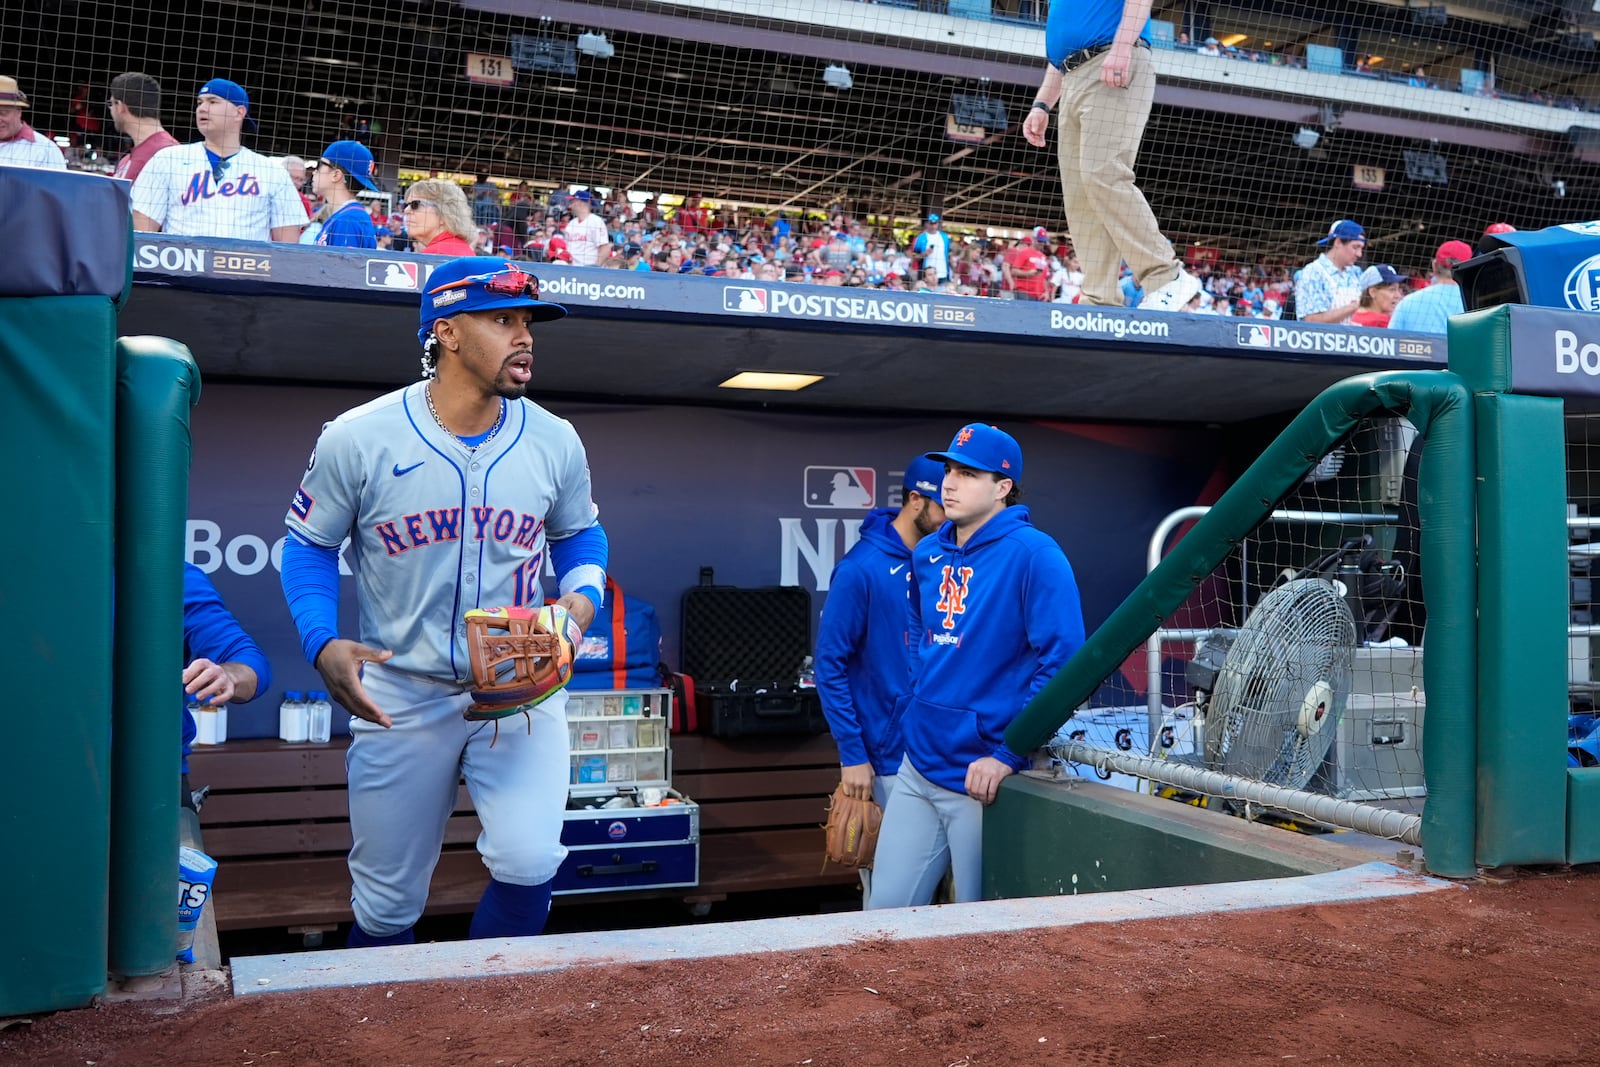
(292,717)
(319,729)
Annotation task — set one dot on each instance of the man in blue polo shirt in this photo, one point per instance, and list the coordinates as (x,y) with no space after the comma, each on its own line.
(1100,73)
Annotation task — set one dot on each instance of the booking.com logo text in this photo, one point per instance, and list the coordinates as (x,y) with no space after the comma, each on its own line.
(592,291)
(1115,325)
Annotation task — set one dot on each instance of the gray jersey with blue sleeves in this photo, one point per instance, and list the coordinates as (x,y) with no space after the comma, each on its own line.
(437,528)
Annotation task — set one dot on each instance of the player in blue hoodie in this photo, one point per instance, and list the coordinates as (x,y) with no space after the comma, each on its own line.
(222,663)
(994,612)
(861,660)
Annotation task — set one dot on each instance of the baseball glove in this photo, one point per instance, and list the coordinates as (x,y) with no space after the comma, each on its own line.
(520,657)
(852,830)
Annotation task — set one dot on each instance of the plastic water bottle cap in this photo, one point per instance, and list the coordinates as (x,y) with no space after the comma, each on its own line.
(293,694)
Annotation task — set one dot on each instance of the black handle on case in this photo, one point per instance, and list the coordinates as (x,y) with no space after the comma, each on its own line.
(590,870)
(777,707)
(708,576)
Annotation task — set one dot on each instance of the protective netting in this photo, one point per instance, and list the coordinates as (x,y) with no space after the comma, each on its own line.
(696,122)
(1583,552)
(1297,663)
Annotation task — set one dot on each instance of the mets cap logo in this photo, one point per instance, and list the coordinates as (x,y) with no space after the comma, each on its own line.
(617,830)
(964,436)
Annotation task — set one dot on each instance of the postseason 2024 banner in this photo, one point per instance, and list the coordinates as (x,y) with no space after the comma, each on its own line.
(765,499)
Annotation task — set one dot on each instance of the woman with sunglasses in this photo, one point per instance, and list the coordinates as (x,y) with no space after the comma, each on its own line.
(439,219)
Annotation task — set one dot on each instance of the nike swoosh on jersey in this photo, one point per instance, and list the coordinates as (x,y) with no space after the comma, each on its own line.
(897,570)
(400,471)
(936,559)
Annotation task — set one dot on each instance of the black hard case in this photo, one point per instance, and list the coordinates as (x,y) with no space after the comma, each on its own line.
(745,649)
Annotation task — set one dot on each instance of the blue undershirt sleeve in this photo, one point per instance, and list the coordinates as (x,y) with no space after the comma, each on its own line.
(580,563)
(311,587)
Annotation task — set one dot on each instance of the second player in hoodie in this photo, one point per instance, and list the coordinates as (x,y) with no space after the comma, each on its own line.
(993,614)
(862,661)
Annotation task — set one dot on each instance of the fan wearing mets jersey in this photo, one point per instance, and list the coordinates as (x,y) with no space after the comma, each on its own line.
(993,614)
(215,187)
(451,491)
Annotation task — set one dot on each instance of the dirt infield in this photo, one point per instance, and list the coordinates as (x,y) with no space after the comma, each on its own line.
(1497,972)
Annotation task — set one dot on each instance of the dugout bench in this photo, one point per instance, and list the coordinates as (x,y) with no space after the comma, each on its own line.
(277,821)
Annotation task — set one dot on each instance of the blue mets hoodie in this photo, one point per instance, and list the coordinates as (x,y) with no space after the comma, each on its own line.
(861,660)
(989,623)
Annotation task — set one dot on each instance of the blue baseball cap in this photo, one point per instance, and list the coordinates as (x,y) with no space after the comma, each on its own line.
(933,218)
(482,283)
(984,448)
(1344,230)
(925,476)
(354,159)
(232,92)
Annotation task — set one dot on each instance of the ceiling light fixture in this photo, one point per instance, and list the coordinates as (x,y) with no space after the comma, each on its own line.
(596,45)
(775,380)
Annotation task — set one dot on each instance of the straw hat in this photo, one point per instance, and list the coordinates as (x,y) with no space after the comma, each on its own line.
(10,94)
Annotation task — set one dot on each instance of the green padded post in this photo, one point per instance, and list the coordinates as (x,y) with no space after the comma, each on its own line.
(1440,407)
(157,383)
(1523,612)
(1583,814)
(55,649)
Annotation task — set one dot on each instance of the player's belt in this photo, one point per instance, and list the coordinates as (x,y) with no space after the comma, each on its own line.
(1083,55)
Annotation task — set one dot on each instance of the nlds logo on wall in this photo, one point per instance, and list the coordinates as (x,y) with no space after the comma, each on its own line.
(841,488)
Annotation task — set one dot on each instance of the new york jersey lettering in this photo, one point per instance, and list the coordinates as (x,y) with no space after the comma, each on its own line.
(203,187)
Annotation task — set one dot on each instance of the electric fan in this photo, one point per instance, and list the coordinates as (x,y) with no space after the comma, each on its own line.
(1281,690)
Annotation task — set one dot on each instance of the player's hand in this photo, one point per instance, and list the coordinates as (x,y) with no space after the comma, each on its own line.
(339,663)
(1036,126)
(208,682)
(1117,68)
(857,780)
(984,777)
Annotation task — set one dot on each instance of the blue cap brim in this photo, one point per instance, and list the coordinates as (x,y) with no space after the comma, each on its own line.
(543,311)
(965,461)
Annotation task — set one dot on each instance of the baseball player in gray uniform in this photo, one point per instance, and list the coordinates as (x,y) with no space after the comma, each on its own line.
(450,491)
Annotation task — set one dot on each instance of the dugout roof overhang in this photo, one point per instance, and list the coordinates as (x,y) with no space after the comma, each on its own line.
(268,312)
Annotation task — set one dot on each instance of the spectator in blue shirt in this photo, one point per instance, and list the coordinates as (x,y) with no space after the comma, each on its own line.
(1429,310)
(1328,288)
(344,167)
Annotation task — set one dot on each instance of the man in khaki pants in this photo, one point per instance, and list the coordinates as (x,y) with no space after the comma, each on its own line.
(1101,75)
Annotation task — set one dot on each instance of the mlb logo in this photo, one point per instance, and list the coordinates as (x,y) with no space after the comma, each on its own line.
(743,299)
(391,274)
(1255,336)
(841,488)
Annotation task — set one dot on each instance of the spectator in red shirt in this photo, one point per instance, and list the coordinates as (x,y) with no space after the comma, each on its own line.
(136,113)
(1381,289)
(1026,268)
(438,218)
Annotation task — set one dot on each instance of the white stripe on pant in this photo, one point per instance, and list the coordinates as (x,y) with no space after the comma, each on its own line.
(926,828)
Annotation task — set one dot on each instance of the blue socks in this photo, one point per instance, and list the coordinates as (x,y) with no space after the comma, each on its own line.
(359,938)
(508,910)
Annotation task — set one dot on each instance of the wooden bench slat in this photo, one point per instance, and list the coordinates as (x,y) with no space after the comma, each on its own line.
(754,814)
(290,804)
(285,839)
(701,752)
(267,768)
(732,785)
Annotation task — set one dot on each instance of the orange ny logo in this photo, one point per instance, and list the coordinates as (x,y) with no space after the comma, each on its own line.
(953,596)
(963,437)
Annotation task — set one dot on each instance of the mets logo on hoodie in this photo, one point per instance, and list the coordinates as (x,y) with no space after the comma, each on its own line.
(953,594)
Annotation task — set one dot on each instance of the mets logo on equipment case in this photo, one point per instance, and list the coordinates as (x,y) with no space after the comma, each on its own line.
(953,595)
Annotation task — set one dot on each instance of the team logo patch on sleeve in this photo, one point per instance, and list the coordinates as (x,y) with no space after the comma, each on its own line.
(302,503)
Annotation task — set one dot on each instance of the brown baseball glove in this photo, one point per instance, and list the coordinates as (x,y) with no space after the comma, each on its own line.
(520,657)
(852,830)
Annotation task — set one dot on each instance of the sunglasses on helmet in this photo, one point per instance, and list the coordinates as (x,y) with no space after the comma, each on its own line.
(509,282)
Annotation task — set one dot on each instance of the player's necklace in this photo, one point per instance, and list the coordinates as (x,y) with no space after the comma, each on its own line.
(427,393)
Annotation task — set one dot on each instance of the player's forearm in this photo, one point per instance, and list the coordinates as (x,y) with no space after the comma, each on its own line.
(1049,89)
(311,587)
(286,234)
(145,224)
